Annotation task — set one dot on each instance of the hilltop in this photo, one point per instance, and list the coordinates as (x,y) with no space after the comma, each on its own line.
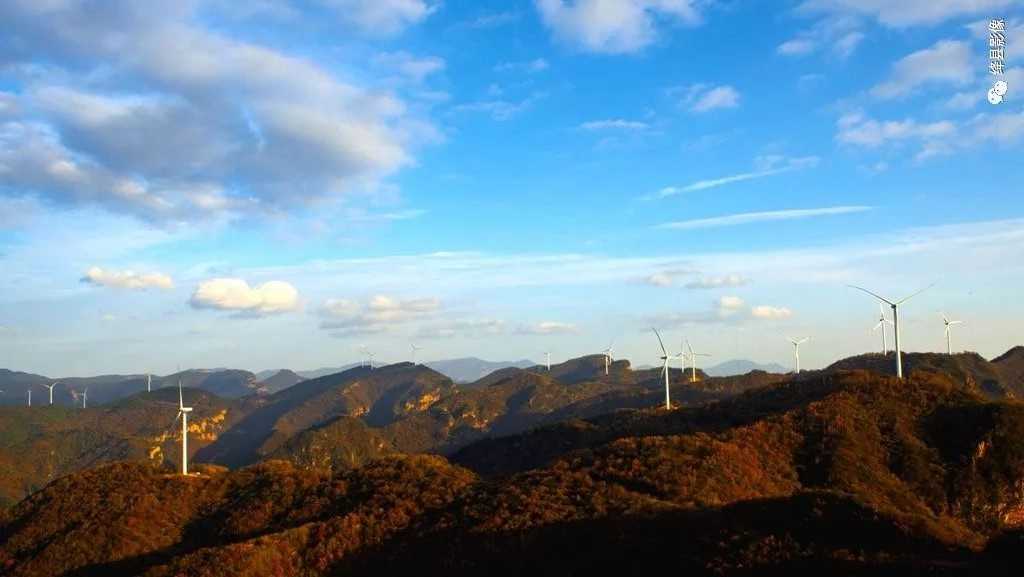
(40,444)
(843,473)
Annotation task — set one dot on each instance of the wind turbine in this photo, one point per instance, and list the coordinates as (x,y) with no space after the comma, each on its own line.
(370,355)
(149,383)
(693,361)
(30,397)
(85,395)
(682,357)
(414,348)
(51,390)
(949,325)
(547,360)
(362,355)
(796,350)
(882,321)
(183,412)
(895,321)
(608,357)
(665,358)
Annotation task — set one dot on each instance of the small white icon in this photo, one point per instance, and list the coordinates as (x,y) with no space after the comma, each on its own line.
(994,97)
(999,87)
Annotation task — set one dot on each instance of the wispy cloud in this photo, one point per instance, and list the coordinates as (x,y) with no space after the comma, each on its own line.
(716,282)
(947,62)
(700,98)
(344,317)
(500,110)
(766,166)
(755,217)
(547,328)
(614,124)
(529,66)
(126,279)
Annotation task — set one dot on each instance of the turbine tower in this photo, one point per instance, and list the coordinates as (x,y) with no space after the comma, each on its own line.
(183,412)
(796,350)
(85,395)
(949,325)
(895,305)
(682,357)
(149,383)
(665,358)
(51,390)
(414,348)
(608,357)
(370,355)
(882,321)
(693,361)
(30,397)
(547,360)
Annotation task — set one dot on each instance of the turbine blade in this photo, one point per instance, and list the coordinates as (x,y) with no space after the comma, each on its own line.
(879,297)
(905,299)
(659,341)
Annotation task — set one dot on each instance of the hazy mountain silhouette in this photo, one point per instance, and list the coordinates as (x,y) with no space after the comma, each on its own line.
(742,367)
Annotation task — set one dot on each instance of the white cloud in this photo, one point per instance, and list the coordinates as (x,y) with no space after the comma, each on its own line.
(796,47)
(715,282)
(490,20)
(755,217)
(613,26)
(126,279)
(668,277)
(838,35)
(547,328)
(614,124)
(530,66)
(380,313)
(729,306)
(193,123)
(857,129)
(382,17)
(946,62)
(500,110)
(765,166)
(767,312)
(234,294)
(904,13)
(468,328)
(937,138)
(703,98)
(411,67)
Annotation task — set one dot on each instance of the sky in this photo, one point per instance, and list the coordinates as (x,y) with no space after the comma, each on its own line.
(277,183)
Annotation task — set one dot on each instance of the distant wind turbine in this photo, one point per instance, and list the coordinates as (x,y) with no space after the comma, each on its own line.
(414,348)
(949,326)
(149,383)
(183,412)
(30,397)
(895,321)
(796,350)
(362,355)
(665,358)
(608,357)
(882,321)
(682,357)
(85,395)
(693,361)
(51,390)
(370,355)
(547,360)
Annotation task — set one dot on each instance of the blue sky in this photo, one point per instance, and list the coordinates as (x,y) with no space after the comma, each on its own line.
(276,185)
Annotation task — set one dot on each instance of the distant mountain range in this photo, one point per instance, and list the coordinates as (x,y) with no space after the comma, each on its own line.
(742,367)
(463,370)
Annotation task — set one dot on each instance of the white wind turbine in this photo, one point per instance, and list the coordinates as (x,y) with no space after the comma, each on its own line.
(895,305)
(183,412)
(30,397)
(369,354)
(51,390)
(682,357)
(693,361)
(796,350)
(547,360)
(608,357)
(665,358)
(85,395)
(149,383)
(414,348)
(949,325)
(882,321)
